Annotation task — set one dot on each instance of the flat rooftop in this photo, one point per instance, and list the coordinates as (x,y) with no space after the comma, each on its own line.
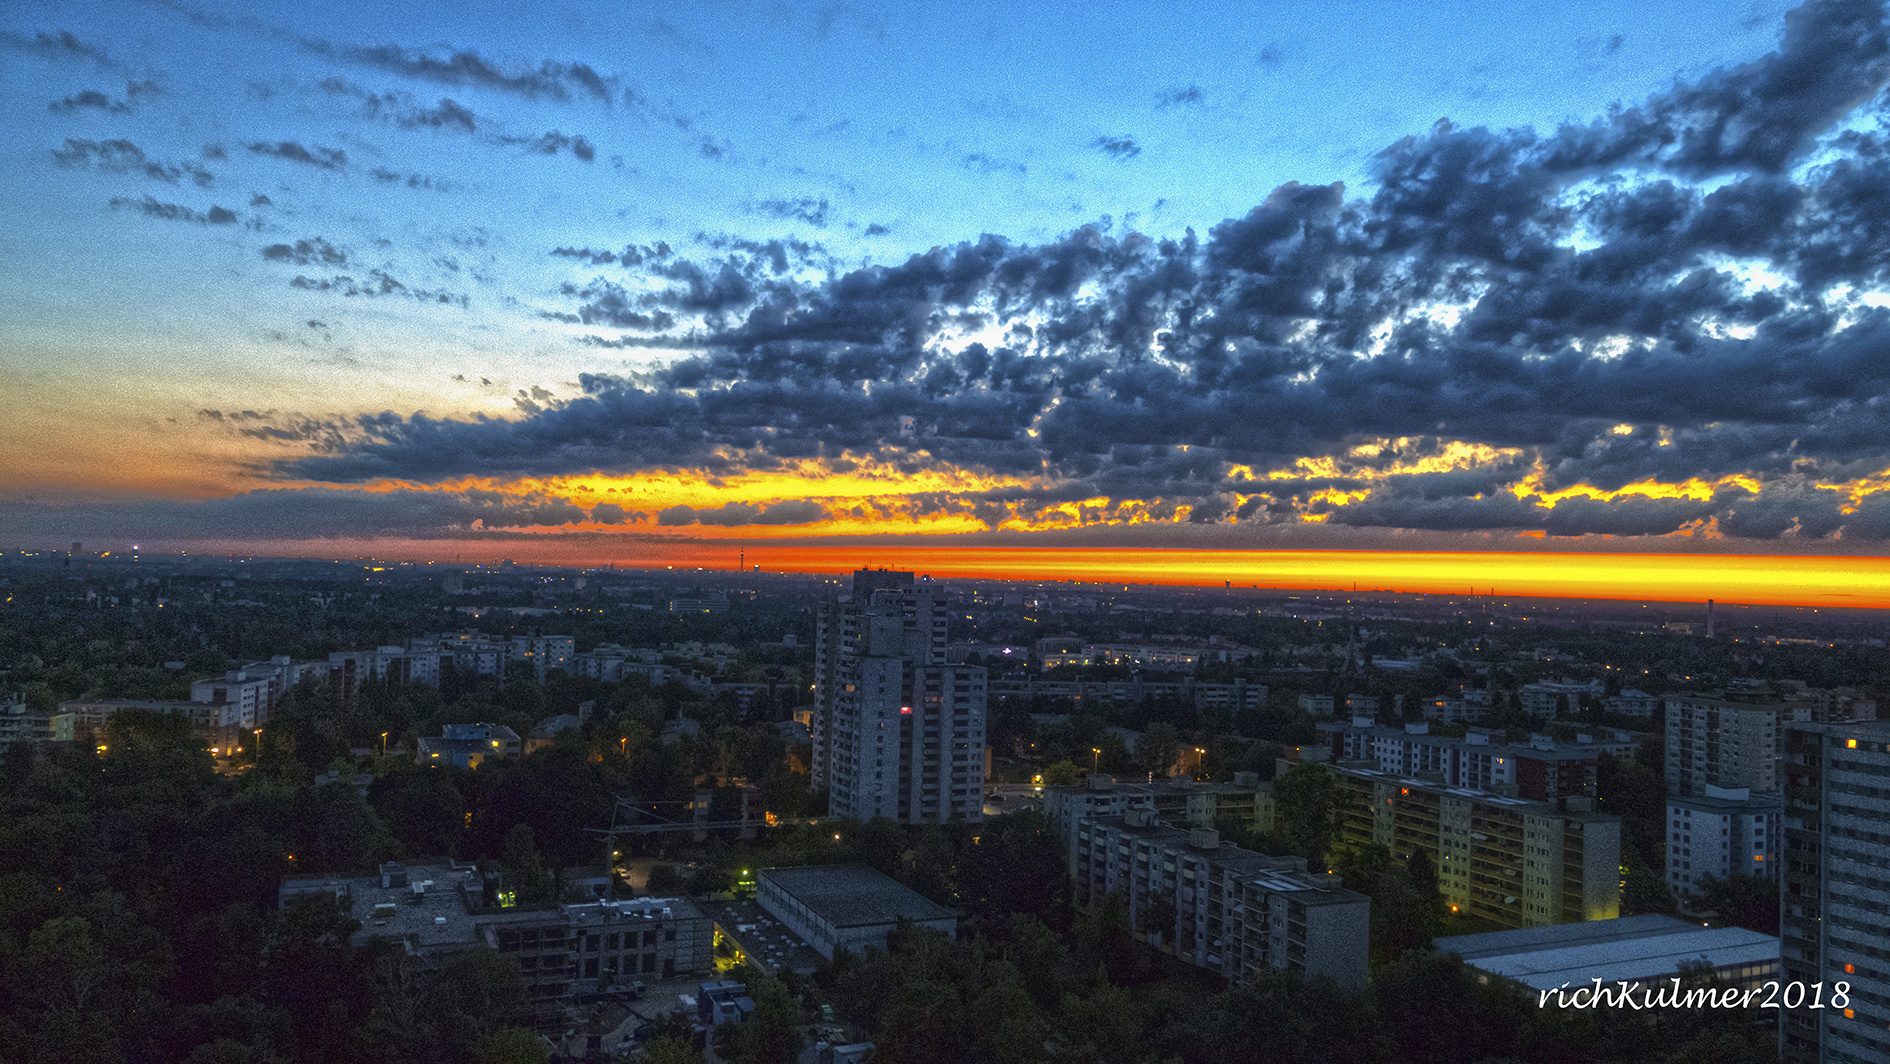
(429,918)
(1630,947)
(853,895)
(766,940)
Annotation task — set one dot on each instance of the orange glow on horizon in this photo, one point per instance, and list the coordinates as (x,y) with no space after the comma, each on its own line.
(1756,579)
(1782,580)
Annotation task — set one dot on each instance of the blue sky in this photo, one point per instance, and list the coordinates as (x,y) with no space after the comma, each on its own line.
(241,235)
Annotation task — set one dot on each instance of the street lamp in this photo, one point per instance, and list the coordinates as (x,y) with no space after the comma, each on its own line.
(1095,763)
(383,744)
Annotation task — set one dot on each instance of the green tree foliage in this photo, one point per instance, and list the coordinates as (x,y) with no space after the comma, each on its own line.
(772,1033)
(1155,750)
(669,1049)
(1307,800)
(1065,773)
(1403,914)
(525,873)
(1745,901)
(512,1045)
(1016,867)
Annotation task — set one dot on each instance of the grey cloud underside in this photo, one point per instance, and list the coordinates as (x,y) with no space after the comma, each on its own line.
(59,45)
(788,512)
(550,80)
(172,212)
(450,116)
(124,157)
(1594,330)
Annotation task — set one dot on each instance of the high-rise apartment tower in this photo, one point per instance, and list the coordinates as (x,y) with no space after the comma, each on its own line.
(897,732)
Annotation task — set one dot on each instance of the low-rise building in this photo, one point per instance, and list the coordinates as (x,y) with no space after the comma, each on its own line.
(24,727)
(1547,698)
(1317,705)
(467,745)
(566,952)
(833,907)
(1649,949)
(89,715)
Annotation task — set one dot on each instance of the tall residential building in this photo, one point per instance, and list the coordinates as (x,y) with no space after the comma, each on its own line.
(1723,741)
(1247,801)
(1511,861)
(1219,907)
(1835,918)
(1722,832)
(897,732)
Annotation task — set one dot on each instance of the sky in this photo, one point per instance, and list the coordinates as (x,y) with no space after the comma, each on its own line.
(589,283)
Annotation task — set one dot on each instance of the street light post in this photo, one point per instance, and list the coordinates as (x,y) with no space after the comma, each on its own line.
(1095,762)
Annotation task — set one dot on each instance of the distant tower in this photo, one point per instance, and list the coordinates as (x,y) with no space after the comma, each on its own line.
(1709,618)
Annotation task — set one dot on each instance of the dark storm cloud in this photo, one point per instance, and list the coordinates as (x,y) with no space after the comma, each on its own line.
(1562,310)
(323,158)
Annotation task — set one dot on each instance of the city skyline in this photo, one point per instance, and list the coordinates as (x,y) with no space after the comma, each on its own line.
(1101,295)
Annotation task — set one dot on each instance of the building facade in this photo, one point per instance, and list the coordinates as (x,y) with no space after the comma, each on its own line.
(850,907)
(1511,861)
(897,732)
(1835,917)
(1219,907)
(565,951)
(1246,801)
(1724,742)
(1543,770)
(1720,833)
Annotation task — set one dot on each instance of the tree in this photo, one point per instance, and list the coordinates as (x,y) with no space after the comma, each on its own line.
(1155,750)
(772,1033)
(1307,802)
(1402,915)
(512,1045)
(524,873)
(1744,901)
(1064,773)
(669,1049)
(665,879)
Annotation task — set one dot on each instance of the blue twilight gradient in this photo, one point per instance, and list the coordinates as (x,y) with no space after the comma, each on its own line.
(873,133)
